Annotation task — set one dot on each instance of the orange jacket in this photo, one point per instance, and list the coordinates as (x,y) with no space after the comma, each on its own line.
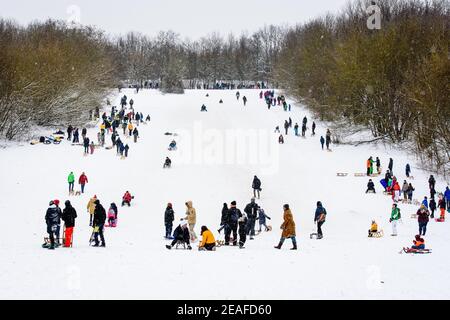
(207,238)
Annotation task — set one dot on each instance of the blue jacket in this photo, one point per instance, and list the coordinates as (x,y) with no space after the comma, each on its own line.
(425,203)
(447,194)
(262,216)
(319,211)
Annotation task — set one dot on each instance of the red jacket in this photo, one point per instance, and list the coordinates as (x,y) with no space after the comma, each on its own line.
(127,197)
(83,179)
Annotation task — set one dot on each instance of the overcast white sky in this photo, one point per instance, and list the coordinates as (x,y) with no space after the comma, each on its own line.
(193,19)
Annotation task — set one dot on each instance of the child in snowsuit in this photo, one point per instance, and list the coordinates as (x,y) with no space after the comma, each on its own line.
(112,215)
(419,243)
(242,223)
(126,199)
(262,219)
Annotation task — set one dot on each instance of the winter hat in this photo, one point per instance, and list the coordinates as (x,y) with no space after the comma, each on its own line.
(319,204)
(286,206)
(233,203)
(50,203)
(67,203)
(56,202)
(183,223)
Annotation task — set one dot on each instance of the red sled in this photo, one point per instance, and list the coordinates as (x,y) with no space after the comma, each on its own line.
(416,251)
(440,220)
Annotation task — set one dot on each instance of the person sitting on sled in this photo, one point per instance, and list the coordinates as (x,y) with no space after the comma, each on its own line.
(112,215)
(208,242)
(126,199)
(173,145)
(373,228)
(203,109)
(419,243)
(181,235)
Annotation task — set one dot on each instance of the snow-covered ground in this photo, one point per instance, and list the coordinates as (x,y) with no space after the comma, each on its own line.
(211,167)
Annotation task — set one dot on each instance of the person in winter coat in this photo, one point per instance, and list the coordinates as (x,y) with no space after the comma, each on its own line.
(86,145)
(232,223)
(281,139)
(223,218)
(396,189)
(52,220)
(442,206)
(191,217)
(378,165)
(296,129)
(112,215)
(408,170)
(432,193)
(92,147)
(391,165)
(126,199)
(288,228)
(370,186)
(167,163)
(262,219)
(319,218)
(118,145)
(91,209)
(410,192)
(432,206)
(447,197)
(135,134)
(286,127)
(419,243)
(251,211)
(328,139)
(125,149)
(83,133)
(244,99)
(405,188)
(124,127)
(422,219)
(69,132)
(303,130)
(169,217)
(425,201)
(82,180)
(208,241)
(431,182)
(373,228)
(256,186)
(69,215)
(313,128)
(395,216)
(242,229)
(99,223)
(369,166)
(181,234)
(76,136)
(322,141)
(130,129)
(71,181)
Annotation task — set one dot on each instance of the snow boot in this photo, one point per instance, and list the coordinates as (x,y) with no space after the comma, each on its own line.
(169,247)
(279,245)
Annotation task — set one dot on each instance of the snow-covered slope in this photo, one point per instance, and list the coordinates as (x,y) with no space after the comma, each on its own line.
(207,170)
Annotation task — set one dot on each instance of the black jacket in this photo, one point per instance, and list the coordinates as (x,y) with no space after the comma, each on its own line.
(68,216)
(233,216)
(53,216)
(99,214)
(256,183)
(169,216)
(181,233)
(223,218)
(371,185)
(251,210)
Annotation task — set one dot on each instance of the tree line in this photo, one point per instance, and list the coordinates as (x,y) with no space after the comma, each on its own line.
(393,80)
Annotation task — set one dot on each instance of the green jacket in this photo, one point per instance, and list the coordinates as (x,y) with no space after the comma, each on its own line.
(71,178)
(395,214)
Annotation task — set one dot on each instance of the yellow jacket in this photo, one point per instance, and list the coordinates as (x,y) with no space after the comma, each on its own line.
(374,227)
(207,238)
(130,126)
(91,205)
(102,126)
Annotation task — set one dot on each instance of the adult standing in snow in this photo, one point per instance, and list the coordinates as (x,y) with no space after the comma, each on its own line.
(447,197)
(431,182)
(244,98)
(433,207)
(251,210)
(69,132)
(256,186)
(313,128)
(408,170)
(191,217)
(169,216)
(52,219)
(135,134)
(125,149)
(296,129)
(286,126)
(86,145)
(319,218)
(91,209)
(223,218)
(410,192)
(405,188)
(288,228)
(395,216)
(69,215)
(99,223)
(76,136)
(391,165)
(232,223)
(328,139)
(422,219)
(83,133)
(322,141)
(82,180)
(378,165)
(71,181)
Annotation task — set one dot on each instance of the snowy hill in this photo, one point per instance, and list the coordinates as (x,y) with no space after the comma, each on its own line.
(218,154)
